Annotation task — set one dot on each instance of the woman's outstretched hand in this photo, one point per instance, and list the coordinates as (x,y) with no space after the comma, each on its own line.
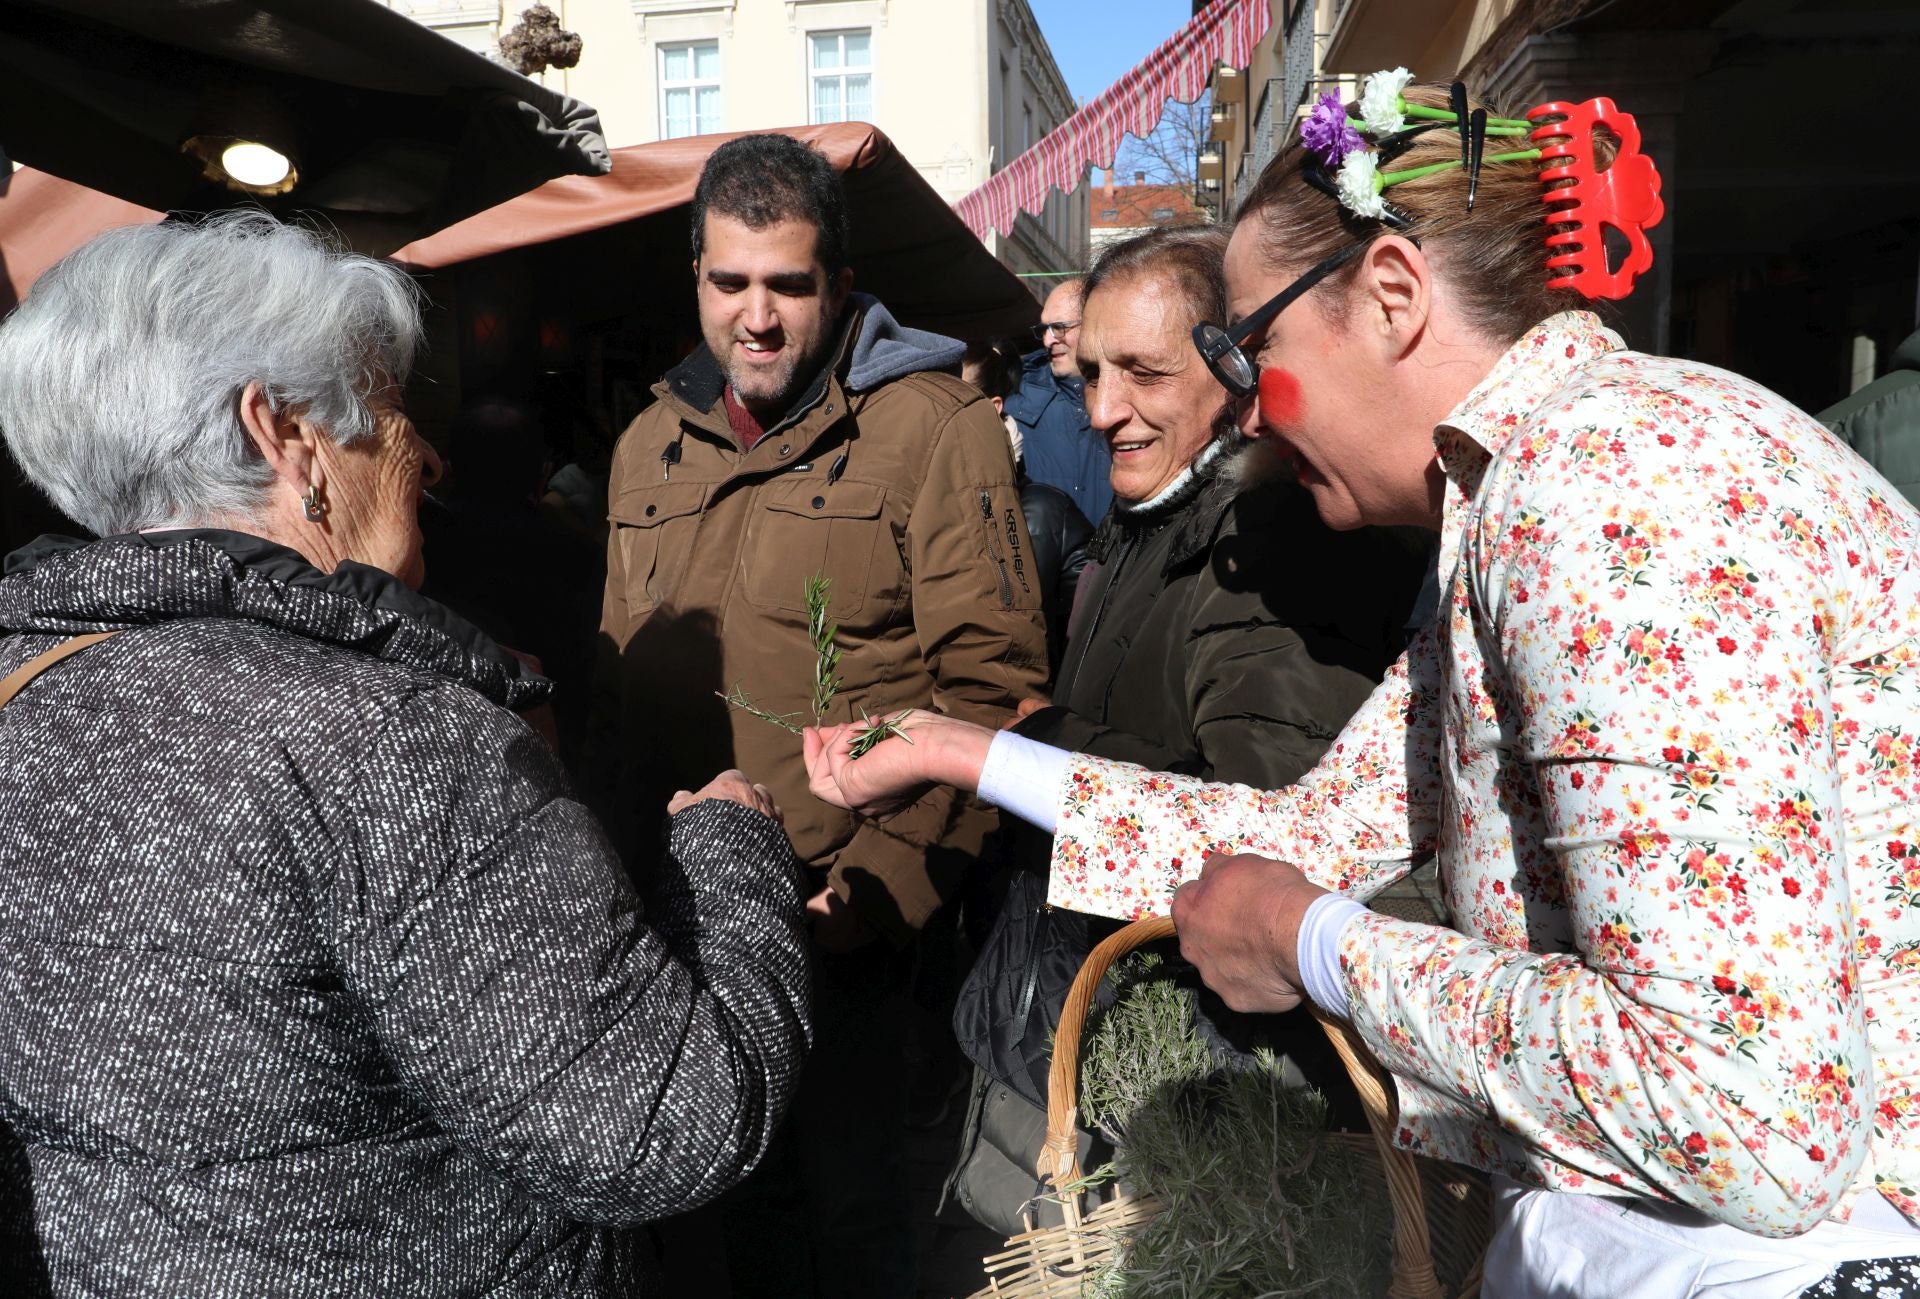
(894,773)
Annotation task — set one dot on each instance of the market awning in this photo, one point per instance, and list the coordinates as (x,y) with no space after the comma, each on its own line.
(622,237)
(393,129)
(1226,30)
(625,233)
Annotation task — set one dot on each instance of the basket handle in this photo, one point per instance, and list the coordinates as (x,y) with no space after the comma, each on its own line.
(1413,1274)
(1060,1153)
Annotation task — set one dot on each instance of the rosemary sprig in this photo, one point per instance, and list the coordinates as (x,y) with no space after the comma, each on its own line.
(826,655)
(821,631)
(738,698)
(826,660)
(872,732)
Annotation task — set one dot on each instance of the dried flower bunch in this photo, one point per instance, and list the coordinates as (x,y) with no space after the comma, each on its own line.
(821,632)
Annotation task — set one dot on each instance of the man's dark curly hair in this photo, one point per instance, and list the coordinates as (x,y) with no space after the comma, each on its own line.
(762,179)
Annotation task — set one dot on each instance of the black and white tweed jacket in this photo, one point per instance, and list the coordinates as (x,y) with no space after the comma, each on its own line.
(316,980)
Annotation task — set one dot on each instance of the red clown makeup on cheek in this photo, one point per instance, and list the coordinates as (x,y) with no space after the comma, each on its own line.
(1279,399)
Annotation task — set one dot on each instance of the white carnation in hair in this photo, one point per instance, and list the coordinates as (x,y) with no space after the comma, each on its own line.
(1380,101)
(1358,182)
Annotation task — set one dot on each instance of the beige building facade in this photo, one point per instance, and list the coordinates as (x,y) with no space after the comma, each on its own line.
(961,87)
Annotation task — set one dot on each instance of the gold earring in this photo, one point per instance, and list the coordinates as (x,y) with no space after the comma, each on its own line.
(314,507)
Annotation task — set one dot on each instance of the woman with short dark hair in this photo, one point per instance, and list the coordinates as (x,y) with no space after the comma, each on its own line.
(1223,631)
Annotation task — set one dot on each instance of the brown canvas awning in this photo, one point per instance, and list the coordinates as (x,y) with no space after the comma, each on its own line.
(580,251)
(626,234)
(613,242)
(394,130)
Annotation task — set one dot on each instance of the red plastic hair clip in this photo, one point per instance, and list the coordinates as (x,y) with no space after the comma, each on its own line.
(1625,197)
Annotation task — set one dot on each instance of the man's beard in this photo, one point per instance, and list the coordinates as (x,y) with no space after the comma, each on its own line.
(779,386)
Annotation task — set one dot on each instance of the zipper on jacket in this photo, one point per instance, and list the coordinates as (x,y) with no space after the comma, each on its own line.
(991,521)
(1065,683)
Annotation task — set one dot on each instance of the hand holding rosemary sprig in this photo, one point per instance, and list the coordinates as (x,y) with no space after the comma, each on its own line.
(849,767)
(872,732)
(821,632)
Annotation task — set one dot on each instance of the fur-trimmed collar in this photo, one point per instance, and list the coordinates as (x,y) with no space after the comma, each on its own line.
(1198,509)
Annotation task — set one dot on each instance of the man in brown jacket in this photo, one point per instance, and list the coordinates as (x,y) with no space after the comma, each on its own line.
(813,434)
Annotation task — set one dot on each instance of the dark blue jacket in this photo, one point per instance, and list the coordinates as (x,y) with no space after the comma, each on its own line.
(1058,446)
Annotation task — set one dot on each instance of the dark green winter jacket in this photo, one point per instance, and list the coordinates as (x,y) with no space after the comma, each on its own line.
(1882,421)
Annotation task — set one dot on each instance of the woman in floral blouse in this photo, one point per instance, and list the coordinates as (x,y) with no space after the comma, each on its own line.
(1660,737)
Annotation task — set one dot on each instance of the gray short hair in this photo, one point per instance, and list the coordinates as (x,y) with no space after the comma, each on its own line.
(121,374)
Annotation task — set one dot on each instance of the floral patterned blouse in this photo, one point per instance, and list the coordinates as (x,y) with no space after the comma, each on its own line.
(1661,738)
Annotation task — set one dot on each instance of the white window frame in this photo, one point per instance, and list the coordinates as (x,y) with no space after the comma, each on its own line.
(841,72)
(718,81)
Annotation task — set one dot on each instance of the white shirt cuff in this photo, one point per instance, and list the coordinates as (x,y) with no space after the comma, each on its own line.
(1317,951)
(1025,777)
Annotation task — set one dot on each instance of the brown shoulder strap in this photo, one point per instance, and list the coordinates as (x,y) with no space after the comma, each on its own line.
(16,681)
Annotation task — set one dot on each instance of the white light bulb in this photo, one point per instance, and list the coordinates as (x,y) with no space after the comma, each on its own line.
(255,164)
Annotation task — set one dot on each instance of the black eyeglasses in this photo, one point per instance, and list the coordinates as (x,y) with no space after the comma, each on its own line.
(1220,348)
(1059,327)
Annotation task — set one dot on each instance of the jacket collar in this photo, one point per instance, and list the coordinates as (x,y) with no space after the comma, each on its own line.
(1529,372)
(870,349)
(1907,355)
(66,586)
(1195,514)
(1039,386)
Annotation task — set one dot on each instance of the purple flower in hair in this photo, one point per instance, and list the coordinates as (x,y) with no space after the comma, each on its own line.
(1327,131)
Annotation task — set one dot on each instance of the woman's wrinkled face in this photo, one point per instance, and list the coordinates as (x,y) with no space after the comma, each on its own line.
(1323,400)
(1148,392)
(373,492)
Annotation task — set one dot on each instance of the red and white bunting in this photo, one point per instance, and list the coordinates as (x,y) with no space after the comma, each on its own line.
(1225,30)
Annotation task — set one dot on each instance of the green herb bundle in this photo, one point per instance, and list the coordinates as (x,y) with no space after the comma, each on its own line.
(822,632)
(1258,1201)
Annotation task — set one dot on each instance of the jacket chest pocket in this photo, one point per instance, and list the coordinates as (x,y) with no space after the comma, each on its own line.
(653,531)
(801,528)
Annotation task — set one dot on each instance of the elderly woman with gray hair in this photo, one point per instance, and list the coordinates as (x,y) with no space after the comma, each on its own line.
(314,977)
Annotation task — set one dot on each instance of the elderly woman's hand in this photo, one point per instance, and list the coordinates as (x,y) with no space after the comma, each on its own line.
(734,787)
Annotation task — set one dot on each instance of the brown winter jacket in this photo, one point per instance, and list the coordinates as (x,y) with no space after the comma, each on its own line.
(894,481)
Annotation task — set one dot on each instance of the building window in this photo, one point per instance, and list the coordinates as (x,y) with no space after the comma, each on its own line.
(1109,214)
(1163,214)
(840,69)
(690,90)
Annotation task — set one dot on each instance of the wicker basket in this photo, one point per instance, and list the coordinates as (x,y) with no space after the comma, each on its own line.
(1440,1211)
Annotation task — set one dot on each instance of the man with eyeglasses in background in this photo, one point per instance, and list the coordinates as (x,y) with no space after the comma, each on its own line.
(1051,409)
